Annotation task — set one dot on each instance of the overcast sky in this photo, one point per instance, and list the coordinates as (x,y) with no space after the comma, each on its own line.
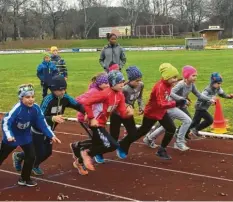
(113,2)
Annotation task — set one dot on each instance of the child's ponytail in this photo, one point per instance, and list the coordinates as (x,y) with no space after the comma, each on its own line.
(94,78)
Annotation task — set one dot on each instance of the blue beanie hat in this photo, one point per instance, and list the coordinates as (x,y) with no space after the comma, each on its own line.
(25,90)
(215,78)
(58,83)
(115,77)
(133,73)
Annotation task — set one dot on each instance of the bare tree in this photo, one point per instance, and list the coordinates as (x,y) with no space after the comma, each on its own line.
(89,22)
(196,13)
(133,7)
(39,6)
(4,8)
(17,6)
(55,9)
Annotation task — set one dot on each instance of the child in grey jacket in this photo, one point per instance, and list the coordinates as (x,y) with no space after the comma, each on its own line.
(202,106)
(112,53)
(180,92)
(133,91)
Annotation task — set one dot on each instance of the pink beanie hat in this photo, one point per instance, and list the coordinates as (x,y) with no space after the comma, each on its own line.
(113,67)
(187,71)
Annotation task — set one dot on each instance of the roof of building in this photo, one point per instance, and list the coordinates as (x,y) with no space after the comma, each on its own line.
(195,38)
(209,30)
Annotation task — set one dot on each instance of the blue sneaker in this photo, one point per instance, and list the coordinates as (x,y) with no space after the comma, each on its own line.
(162,153)
(99,158)
(17,162)
(121,154)
(37,171)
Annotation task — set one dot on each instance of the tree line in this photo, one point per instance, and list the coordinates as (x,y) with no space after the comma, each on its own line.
(55,19)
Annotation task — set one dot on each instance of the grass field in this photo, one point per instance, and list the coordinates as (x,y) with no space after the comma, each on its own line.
(90,43)
(18,69)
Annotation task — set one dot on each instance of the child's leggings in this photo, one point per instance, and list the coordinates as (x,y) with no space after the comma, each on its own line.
(82,145)
(179,114)
(28,160)
(102,142)
(146,126)
(115,126)
(43,148)
(201,114)
(44,90)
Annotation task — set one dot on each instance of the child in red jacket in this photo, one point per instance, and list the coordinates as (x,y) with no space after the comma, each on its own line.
(156,110)
(109,100)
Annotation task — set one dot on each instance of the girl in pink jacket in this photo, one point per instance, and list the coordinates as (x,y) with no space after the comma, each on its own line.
(99,83)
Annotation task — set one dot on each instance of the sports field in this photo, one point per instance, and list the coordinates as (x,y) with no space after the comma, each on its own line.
(18,69)
(141,176)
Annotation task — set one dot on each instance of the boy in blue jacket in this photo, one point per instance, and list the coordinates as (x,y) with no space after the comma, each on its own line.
(59,62)
(16,127)
(53,107)
(45,72)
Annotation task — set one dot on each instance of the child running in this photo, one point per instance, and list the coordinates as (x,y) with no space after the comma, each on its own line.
(45,72)
(16,131)
(202,107)
(156,110)
(180,91)
(133,91)
(109,100)
(59,62)
(99,83)
(53,107)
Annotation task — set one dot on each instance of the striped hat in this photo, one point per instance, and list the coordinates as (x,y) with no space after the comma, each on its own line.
(115,77)
(133,73)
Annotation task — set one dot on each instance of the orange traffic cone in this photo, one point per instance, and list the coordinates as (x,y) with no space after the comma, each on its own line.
(220,124)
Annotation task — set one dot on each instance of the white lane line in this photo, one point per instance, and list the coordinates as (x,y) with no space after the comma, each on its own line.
(140,143)
(73,186)
(159,168)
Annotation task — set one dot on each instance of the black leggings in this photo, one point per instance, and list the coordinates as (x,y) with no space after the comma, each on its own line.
(28,161)
(102,142)
(82,145)
(43,149)
(201,114)
(115,126)
(44,90)
(146,126)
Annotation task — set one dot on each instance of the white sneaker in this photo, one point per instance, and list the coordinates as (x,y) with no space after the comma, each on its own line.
(194,135)
(181,146)
(149,143)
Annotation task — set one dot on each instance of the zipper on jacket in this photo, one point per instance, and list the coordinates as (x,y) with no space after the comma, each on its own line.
(112,55)
(57,113)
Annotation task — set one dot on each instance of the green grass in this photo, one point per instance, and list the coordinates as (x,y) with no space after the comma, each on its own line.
(90,43)
(18,69)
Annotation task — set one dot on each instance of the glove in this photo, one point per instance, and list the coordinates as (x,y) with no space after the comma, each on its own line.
(181,103)
(230,96)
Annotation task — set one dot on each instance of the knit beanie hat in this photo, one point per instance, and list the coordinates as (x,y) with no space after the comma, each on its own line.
(113,67)
(216,78)
(168,71)
(25,90)
(46,55)
(58,83)
(53,48)
(133,73)
(188,71)
(101,79)
(115,77)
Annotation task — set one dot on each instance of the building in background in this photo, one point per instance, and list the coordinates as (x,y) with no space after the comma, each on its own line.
(214,33)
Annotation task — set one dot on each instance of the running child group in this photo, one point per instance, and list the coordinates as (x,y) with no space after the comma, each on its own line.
(109,97)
